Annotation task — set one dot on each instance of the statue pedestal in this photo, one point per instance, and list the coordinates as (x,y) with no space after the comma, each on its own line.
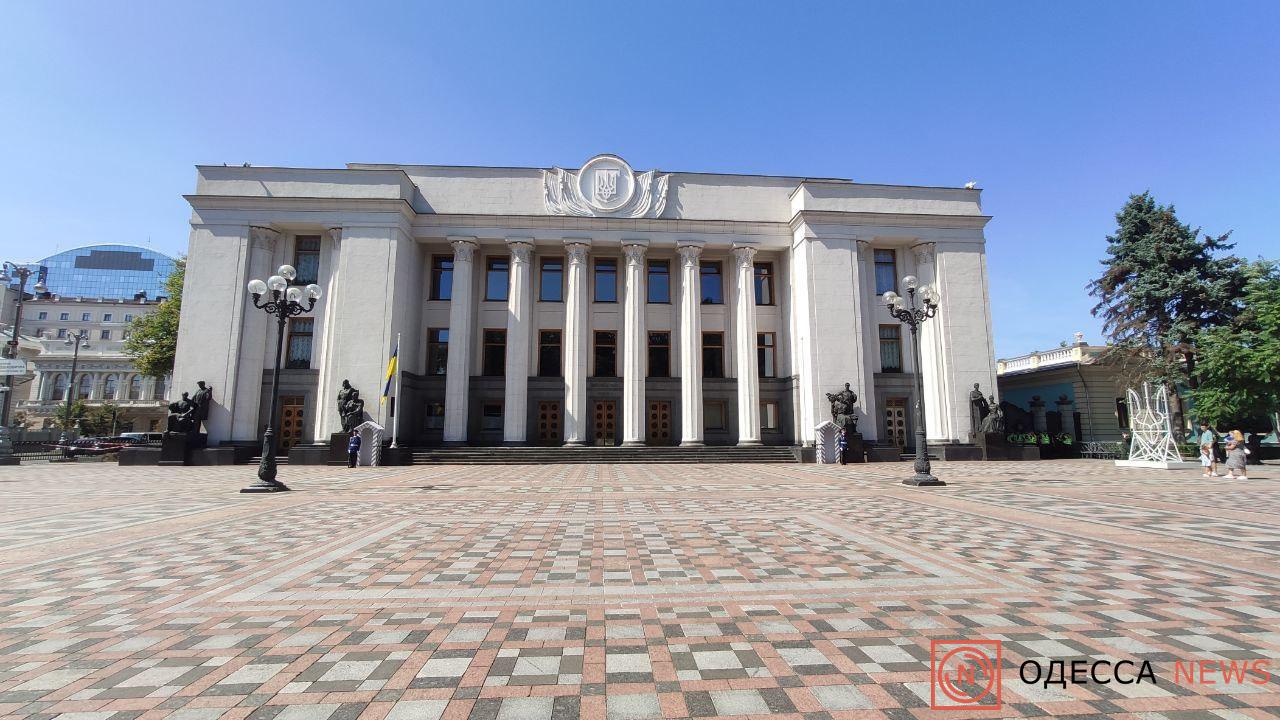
(176,447)
(338,448)
(996,447)
(853,451)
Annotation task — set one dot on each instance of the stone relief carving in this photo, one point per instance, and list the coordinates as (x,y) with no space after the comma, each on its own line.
(521,252)
(634,253)
(744,256)
(576,253)
(605,186)
(689,254)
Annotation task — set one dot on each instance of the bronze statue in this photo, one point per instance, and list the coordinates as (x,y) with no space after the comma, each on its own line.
(994,421)
(350,407)
(186,414)
(979,408)
(202,400)
(842,409)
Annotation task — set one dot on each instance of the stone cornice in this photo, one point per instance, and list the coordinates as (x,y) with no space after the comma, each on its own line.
(313,204)
(826,217)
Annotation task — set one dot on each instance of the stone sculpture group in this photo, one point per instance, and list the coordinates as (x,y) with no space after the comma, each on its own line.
(186,415)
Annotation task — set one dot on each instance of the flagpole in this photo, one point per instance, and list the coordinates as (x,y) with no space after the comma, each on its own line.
(395,416)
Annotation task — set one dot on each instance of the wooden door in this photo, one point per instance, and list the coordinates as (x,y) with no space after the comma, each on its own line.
(291,421)
(895,421)
(605,422)
(549,430)
(660,422)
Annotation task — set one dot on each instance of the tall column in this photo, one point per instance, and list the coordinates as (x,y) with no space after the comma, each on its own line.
(458,370)
(690,345)
(634,347)
(515,411)
(577,336)
(744,338)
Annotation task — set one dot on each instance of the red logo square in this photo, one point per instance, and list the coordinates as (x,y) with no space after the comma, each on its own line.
(964,675)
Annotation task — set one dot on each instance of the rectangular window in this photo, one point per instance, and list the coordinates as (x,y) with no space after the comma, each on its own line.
(497,276)
(64,316)
(127,318)
(551,284)
(764,283)
(712,355)
(43,315)
(712,284)
(306,259)
(491,416)
(549,353)
(495,353)
(659,354)
(769,416)
(435,416)
(767,354)
(886,271)
(106,317)
(659,286)
(1122,412)
(606,352)
(299,354)
(437,351)
(62,333)
(606,280)
(890,348)
(713,416)
(106,335)
(84,317)
(441,277)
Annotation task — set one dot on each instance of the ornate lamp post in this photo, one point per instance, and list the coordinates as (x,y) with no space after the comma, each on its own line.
(906,310)
(76,341)
(8,271)
(284,303)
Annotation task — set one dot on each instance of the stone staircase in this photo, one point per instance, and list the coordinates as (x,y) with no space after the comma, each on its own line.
(592,454)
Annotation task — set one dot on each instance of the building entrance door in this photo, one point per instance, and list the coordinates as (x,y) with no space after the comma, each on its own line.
(895,421)
(549,422)
(660,422)
(605,422)
(291,414)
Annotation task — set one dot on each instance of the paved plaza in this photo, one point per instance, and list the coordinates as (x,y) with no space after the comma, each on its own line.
(624,591)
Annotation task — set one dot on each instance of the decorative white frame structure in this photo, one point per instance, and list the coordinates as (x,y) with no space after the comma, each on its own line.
(1152,444)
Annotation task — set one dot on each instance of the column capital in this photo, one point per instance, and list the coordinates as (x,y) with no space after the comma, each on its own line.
(464,248)
(634,250)
(334,233)
(689,254)
(576,252)
(263,236)
(924,252)
(521,249)
(744,254)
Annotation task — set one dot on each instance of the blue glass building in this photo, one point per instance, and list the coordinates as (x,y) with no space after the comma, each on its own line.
(105,271)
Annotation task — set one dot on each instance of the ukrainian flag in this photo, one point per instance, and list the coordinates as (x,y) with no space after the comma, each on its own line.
(391,372)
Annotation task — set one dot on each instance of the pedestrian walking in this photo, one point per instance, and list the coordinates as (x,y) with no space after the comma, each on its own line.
(1237,456)
(1209,449)
(353,449)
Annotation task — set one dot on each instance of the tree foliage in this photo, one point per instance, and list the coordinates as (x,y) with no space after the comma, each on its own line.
(1239,364)
(1163,282)
(153,337)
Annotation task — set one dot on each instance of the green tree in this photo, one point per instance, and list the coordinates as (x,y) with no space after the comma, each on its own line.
(1239,364)
(153,337)
(78,410)
(1163,283)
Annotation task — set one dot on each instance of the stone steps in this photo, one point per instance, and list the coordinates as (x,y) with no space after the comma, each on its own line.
(561,455)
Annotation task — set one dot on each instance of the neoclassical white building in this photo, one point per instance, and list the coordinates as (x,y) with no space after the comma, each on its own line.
(592,306)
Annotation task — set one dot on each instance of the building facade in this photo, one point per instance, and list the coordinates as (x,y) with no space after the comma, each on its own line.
(94,291)
(592,306)
(1069,389)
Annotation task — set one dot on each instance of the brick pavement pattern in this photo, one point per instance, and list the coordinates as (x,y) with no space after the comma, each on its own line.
(623,591)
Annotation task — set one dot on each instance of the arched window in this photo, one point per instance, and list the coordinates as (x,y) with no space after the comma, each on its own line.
(84,387)
(135,387)
(110,387)
(59,387)
(158,392)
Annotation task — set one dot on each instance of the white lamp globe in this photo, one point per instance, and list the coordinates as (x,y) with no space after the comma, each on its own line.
(930,295)
(890,298)
(899,303)
(294,294)
(287,272)
(313,291)
(277,283)
(910,282)
(257,287)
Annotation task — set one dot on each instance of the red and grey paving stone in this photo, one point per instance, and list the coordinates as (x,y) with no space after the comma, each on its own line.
(626,591)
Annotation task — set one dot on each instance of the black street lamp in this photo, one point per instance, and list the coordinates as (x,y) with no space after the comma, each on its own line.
(908,312)
(7,272)
(284,303)
(76,341)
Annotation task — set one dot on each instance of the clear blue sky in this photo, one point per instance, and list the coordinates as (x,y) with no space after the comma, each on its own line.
(1057,110)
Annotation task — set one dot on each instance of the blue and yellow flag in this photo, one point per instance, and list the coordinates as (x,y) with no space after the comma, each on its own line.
(391,372)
